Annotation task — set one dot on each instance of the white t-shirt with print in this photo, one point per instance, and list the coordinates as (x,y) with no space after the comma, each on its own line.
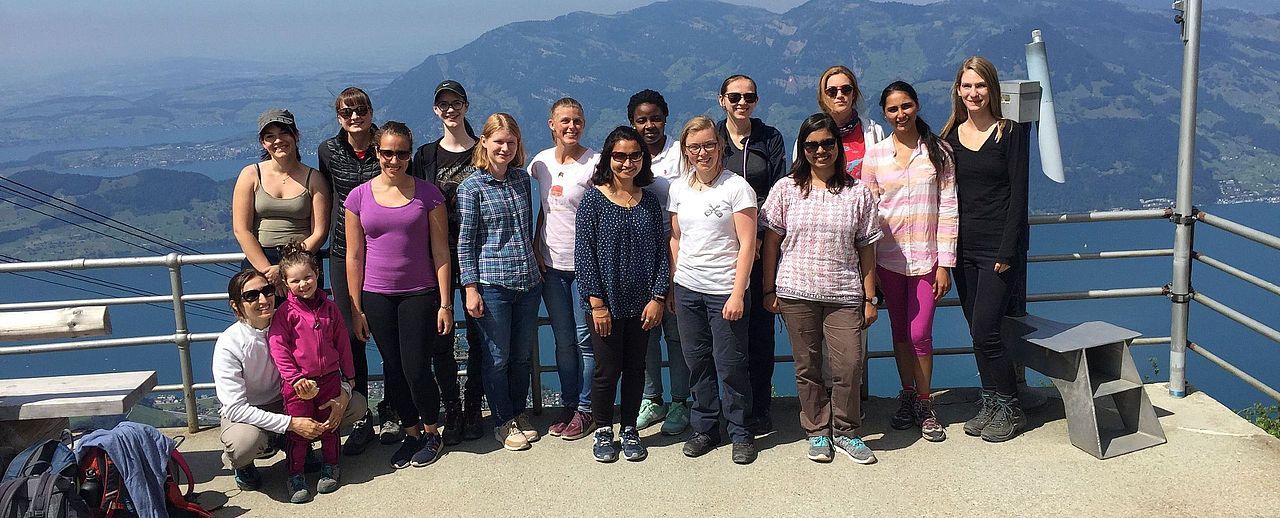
(561,188)
(709,244)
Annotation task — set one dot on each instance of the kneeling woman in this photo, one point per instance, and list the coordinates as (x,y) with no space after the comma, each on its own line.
(623,270)
(819,265)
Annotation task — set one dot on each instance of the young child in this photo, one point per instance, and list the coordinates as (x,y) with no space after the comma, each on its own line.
(311,348)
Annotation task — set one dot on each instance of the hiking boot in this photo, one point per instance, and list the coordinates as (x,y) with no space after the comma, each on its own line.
(510,436)
(452,434)
(677,418)
(329,476)
(578,427)
(604,450)
(360,437)
(472,423)
(562,420)
(632,450)
(820,448)
(905,417)
(526,427)
(927,420)
(247,478)
(854,448)
(700,444)
(985,412)
(400,459)
(744,452)
(389,431)
(1007,421)
(429,448)
(298,493)
(650,413)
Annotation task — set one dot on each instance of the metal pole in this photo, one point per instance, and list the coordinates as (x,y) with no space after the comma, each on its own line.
(1183,213)
(182,337)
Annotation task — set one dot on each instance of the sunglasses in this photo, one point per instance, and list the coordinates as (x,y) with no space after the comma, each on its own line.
(734,97)
(812,146)
(697,149)
(444,106)
(621,157)
(359,111)
(399,154)
(832,91)
(252,295)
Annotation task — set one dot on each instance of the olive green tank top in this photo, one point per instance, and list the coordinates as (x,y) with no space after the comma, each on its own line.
(280,220)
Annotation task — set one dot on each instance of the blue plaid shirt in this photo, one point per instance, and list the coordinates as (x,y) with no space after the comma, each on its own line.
(495,241)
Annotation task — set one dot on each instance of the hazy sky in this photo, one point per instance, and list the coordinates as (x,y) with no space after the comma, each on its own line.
(369,35)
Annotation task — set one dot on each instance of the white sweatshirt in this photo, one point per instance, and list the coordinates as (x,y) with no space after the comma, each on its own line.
(245,378)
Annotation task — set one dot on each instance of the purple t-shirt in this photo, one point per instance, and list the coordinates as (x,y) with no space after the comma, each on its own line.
(397,257)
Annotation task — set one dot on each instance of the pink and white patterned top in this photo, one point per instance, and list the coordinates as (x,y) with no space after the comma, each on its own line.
(918,210)
(821,234)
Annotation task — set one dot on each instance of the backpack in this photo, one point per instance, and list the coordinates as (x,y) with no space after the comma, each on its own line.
(41,482)
(104,488)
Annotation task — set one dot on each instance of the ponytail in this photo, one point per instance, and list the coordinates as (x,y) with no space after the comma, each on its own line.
(937,155)
(294,253)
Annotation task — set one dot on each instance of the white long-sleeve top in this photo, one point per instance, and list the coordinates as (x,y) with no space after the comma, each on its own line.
(246,378)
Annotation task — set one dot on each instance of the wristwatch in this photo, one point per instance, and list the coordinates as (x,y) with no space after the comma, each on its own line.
(660,299)
(874,300)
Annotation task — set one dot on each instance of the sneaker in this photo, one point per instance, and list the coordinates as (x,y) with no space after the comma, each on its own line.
(298,493)
(510,436)
(700,444)
(429,448)
(329,476)
(677,418)
(525,427)
(472,423)
(562,420)
(761,426)
(1007,421)
(400,459)
(247,478)
(855,449)
(578,427)
(389,431)
(604,450)
(905,417)
(927,420)
(820,448)
(744,452)
(360,437)
(632,450)
(452,434)
(650,413)
(985,411)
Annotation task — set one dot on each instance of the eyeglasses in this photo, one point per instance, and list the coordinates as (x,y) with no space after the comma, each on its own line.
(811,146)
(457,104)
(252,295)
(707,147)
(359,111)
(832,91)
(734,97)
(399,154)
(621,157)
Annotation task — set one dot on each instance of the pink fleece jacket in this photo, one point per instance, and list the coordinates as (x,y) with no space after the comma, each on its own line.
(308,339)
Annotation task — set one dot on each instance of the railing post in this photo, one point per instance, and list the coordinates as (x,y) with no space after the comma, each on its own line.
(1183,212)
(182,337)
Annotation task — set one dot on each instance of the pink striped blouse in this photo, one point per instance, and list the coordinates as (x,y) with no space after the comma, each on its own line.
(918,211)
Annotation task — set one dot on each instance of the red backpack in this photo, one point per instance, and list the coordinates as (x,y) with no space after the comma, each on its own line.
(104,489)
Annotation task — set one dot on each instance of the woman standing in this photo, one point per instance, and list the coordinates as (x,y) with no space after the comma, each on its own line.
(819,259)
(839,97)
(623,268)
(756,152)
(398,263)
(500,273)
(913,173)
(564,176)
(713,234)
(991,155)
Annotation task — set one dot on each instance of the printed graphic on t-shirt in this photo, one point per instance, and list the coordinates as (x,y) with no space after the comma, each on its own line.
(716,208)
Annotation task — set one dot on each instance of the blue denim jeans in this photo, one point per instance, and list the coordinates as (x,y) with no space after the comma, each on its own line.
(508,329)
(716,352)
(574,358)
(675,357)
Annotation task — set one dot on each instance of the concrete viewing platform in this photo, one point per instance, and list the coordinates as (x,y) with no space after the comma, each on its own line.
(1214,464)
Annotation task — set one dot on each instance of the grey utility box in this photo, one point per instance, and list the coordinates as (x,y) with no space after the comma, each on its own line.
(1020,100)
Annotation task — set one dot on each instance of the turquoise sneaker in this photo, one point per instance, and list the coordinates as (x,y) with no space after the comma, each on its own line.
(650,414)
(820,448)
(677,419)
(855,449)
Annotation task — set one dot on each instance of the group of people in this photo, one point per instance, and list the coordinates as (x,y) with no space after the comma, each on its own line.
(697,240)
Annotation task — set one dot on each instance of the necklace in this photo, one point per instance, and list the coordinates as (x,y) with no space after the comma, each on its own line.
(631,199)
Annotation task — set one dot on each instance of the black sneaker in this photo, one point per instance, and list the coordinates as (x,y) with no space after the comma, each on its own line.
(632,450)
(297,486)
(389,431)
(987,400)
(604,449)
(429,449)
(700,444)
(1007,421)
(905,417)
(404,455)
(744,452)
(247,478)
(472,423)
(360,437)
(452,434)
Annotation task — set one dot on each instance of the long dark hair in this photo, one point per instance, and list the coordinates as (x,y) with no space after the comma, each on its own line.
(603,175)
(937,154)
(802,171)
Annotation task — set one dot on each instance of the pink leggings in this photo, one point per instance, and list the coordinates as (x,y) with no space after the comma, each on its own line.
(909,299)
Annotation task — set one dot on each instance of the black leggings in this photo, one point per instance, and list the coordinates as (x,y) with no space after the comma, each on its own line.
(985,297)
(404,327)
(760,346)
(446,366)
(338,278)
(621,354)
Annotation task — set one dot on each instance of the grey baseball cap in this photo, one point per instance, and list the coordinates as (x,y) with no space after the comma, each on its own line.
(276,115)
(449,85)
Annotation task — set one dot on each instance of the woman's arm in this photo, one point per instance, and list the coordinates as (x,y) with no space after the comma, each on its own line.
(320,207)
(355,273)
(744,224)
(242,216)
(1015,220)
(468,248)
(769,262)
(867,263)
(439,221)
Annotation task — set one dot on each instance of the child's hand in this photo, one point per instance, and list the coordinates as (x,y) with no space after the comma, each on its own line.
(305,389)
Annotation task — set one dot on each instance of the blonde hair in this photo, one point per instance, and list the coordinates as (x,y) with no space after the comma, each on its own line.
(824,102)
(987,71)
(699,123)
(495,122)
